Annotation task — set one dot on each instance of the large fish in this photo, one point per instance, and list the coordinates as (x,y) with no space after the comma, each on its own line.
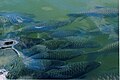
(64,54)
(67,33)
(25,43)
(41,49)
(78,42)
(72,42)
(41,64)
(106,76)
(113,47)
(105,28)
(72,70)
(22,64)
(38,63)
(56,44)
(110,48)
(47,26)
(97,12)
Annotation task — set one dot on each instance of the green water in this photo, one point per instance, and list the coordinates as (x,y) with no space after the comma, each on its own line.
(52,9)
(57,10)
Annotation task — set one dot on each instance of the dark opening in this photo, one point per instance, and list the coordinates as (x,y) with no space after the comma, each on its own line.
(8,43)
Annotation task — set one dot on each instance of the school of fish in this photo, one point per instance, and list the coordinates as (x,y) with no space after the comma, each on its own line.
(49,55)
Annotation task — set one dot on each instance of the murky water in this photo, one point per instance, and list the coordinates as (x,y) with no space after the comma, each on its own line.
(59,39)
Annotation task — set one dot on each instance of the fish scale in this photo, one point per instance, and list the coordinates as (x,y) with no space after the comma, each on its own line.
(56,44)
(106,76)
(72,70)
(107,49)
(113,47)
(42,64)
(101,12)
(58,54)
(65,33)
(107,11)
(77,42)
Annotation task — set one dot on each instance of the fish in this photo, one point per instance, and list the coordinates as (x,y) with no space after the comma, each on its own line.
(111,30)
(106,50)
(42,52)
(30,64)
(105,28)
(106,76)
(26,43)
(41,64)
(55,44)
(36,63)
(11,62)
(72,70)
(14,18)
(114,37)
(79,32)
(64,54)
(78,42)
(47,27)
(112,47)
(37,29)
(97,12)
(67,33)
(30,52)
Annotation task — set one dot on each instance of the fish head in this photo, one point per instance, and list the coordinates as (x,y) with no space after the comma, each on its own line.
(92,65)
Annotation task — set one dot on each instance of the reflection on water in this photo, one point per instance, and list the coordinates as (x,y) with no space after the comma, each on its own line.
(58,39)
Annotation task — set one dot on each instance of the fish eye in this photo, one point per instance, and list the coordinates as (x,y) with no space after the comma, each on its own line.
(8,43)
